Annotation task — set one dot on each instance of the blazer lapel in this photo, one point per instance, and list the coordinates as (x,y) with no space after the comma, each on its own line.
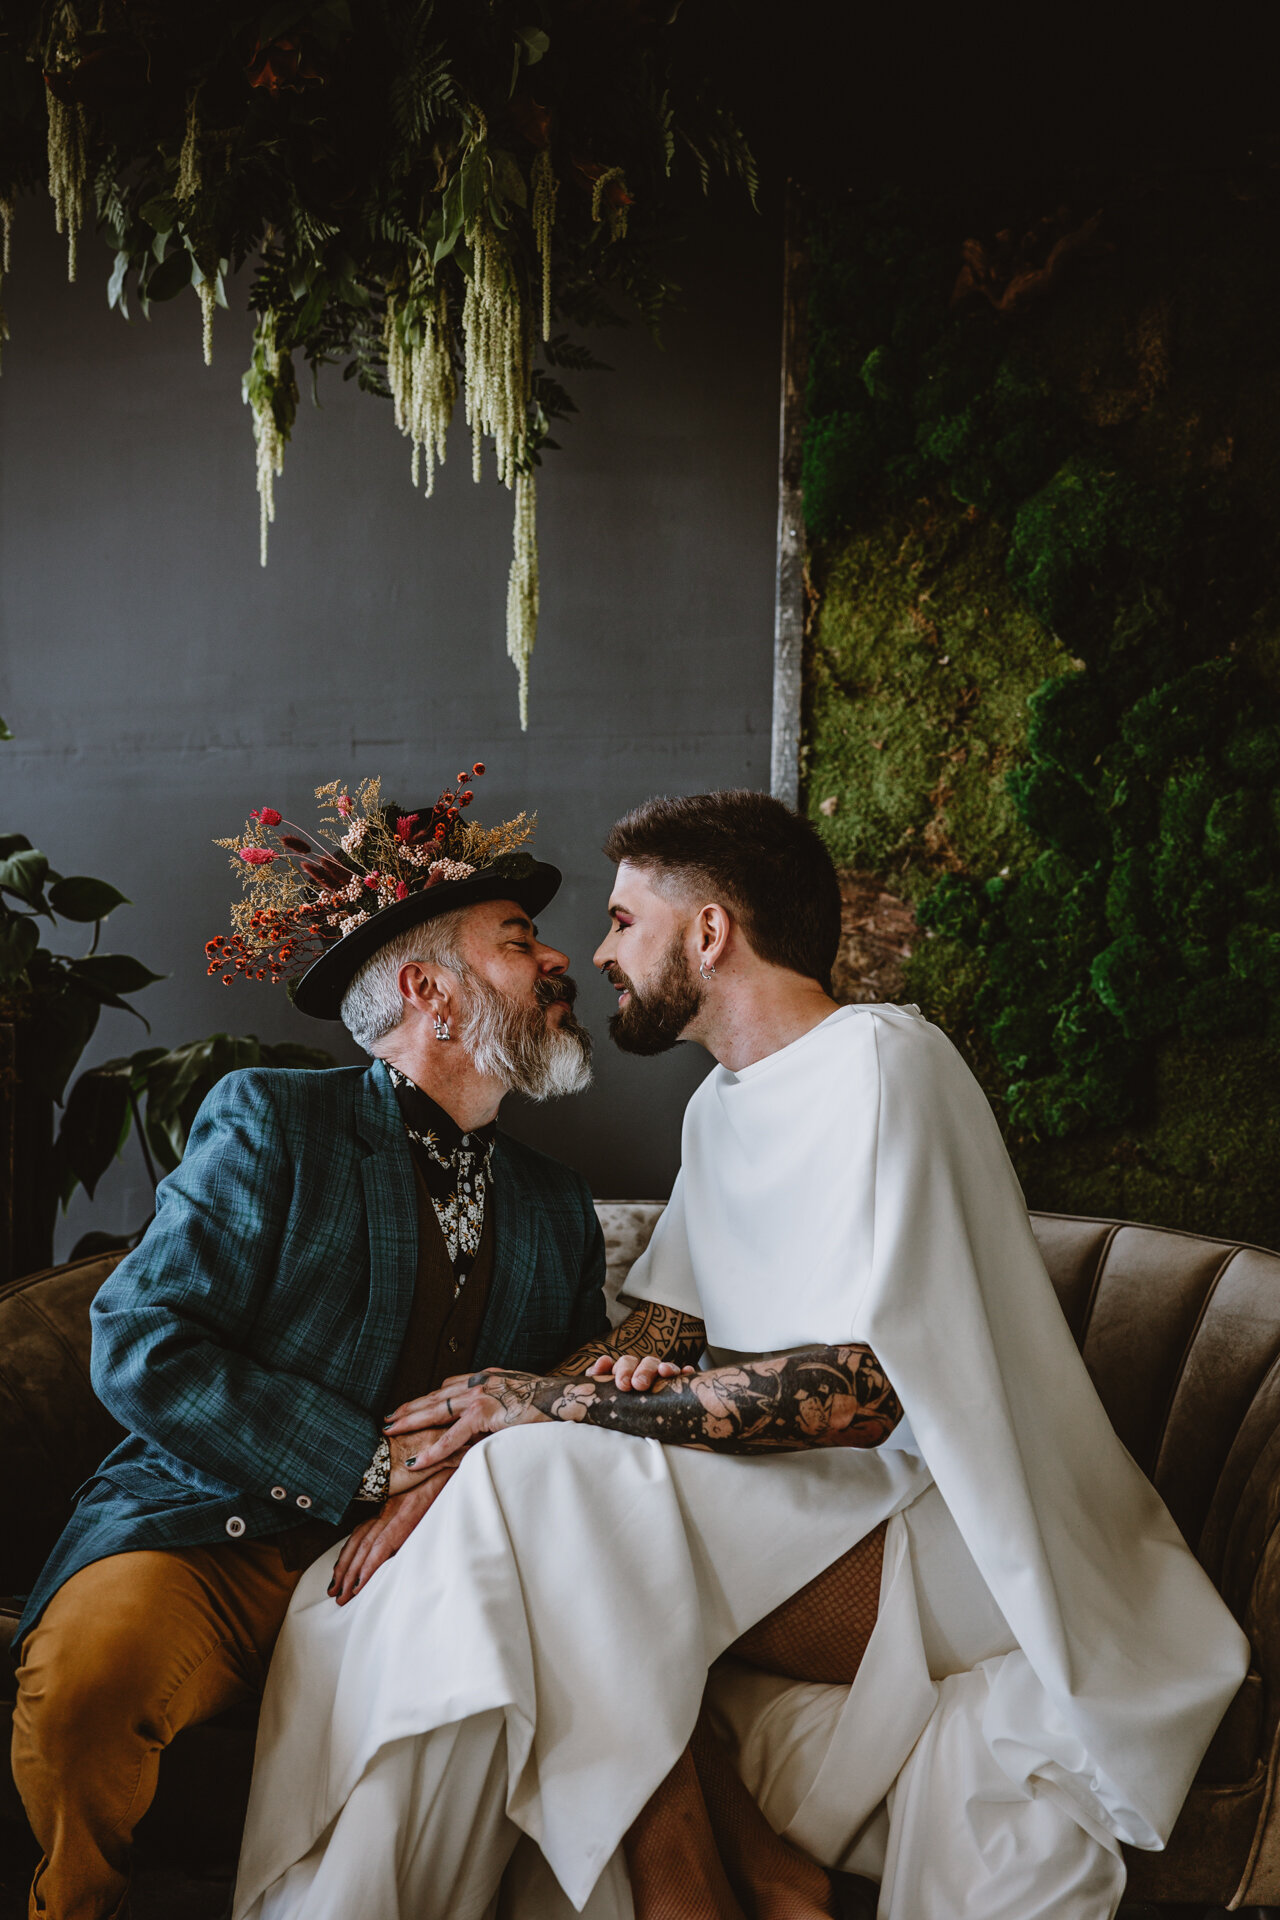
(392,1207)
(515,1265)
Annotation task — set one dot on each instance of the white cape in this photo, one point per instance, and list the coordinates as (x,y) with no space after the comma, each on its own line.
(854,1186)
(1049,1661)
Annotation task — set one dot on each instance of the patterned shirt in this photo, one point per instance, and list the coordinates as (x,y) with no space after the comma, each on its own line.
(455,1169)
(455,1166)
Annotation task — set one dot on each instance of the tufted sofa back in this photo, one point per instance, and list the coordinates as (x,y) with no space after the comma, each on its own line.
(1181,1336)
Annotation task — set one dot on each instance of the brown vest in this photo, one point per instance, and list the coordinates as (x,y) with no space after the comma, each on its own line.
(439,1339)
(441,1335)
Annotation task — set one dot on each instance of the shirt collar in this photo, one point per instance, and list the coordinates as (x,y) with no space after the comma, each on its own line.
(421,1114)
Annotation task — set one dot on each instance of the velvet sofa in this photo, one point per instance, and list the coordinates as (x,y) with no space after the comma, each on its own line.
(1180,1333)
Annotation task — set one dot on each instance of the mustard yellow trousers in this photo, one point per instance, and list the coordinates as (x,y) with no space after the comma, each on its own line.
(127,1653)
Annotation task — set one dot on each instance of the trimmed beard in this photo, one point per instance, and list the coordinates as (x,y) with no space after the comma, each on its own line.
(510,1040)
(654,1019)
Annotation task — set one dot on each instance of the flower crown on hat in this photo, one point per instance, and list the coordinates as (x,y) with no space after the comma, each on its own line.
(305,891)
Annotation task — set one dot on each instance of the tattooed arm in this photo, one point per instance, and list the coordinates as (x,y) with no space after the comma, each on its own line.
(818,1397)
(662,1333)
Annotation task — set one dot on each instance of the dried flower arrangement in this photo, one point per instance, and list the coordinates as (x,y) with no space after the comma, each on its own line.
(304,891)
(425,186)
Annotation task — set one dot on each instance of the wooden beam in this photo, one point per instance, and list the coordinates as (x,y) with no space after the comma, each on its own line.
(789,597)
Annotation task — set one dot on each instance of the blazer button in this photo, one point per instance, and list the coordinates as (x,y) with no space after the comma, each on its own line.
(277,1493)
(235,1526)
(304,1499)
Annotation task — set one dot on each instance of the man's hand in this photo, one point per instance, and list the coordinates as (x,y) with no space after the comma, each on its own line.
(376,1539)
(403,1477)
(425,1433)
(634,1372)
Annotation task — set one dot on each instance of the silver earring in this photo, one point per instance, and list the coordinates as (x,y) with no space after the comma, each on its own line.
(442,1029)
(704,971)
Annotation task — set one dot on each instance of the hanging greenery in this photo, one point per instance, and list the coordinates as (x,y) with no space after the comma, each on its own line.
(424,189)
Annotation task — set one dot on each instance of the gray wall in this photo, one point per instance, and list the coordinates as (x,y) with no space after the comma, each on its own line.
(160,684)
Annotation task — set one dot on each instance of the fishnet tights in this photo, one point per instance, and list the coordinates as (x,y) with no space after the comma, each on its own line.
(702,1849)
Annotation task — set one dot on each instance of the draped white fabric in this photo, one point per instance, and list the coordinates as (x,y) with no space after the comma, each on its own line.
(1049,1661)
(921,1246)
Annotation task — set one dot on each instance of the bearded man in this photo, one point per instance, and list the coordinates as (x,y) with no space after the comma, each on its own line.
(333,1243)
(956,1643)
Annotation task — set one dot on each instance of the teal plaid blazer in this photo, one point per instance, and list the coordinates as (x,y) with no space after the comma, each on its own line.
(248,1343)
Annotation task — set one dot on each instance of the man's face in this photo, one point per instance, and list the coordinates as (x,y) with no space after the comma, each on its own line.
(646,957)
(517,1017)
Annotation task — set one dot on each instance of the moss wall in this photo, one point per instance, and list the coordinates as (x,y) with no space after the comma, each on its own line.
(1042,488)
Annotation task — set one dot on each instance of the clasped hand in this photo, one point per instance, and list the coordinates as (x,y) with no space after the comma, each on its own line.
(461,1412)
(468,1407)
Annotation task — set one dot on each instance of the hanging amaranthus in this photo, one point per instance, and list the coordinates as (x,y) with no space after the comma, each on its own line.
(189,180)
(208,301)
(522,588)
(426,257)
(6,257)
(420,373)
(545,189)
(619,201)
(497,363)
(271,391)
(67,169)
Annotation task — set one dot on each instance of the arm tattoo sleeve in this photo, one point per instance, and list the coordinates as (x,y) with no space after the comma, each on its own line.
(819,1397)
(661,1331)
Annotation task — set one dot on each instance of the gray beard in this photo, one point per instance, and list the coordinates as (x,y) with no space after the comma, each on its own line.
(511,1041)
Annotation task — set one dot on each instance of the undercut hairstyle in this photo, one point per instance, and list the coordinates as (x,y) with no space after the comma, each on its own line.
(751,854)
(373,1004)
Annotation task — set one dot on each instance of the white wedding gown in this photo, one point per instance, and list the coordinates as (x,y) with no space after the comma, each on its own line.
(1049,1661)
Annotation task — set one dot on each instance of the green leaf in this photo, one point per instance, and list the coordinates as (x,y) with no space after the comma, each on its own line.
(96,1122)
(115,285)
(534,42)
(5,734)
(171,276)
(80,898)
(60,1027)
(112,974)
(508,179)
(13,843)
(178,1083)
(161,213)
(24,874)
(19,938)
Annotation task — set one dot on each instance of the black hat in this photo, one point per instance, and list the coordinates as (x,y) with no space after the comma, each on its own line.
(318,905)
(530,883)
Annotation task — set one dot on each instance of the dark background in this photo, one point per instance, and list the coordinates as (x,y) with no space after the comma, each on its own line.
(160,684)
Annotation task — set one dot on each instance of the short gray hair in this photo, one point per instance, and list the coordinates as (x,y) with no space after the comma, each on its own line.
(373,1005)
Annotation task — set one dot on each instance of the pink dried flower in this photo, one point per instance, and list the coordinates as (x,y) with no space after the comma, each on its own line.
(405,825)
(402,891)
(372,879)
(268,816)
(346,804)
(257,856)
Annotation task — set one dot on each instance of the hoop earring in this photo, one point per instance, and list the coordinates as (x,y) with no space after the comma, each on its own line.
(704,971)
(442,1029)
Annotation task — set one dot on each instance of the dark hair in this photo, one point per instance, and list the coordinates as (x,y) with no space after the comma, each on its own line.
(757,857)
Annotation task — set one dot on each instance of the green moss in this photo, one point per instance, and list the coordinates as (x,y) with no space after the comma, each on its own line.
(1044,686)
(921,663)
